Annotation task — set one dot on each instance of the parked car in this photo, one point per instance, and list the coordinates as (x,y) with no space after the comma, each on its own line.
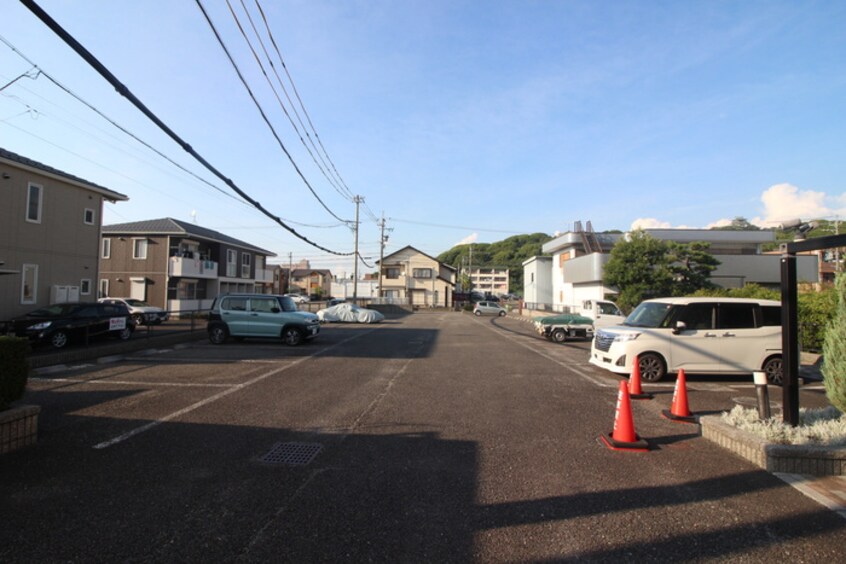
(260,315)
(349,313)
(565,326)
(298,298)
(335,301)
(488,308)
(61,324)
(142,312)
(701,335)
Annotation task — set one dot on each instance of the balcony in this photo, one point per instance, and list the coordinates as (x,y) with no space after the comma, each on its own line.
(192,267)
(264,275)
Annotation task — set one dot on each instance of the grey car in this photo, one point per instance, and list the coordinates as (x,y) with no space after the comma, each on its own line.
(488,308)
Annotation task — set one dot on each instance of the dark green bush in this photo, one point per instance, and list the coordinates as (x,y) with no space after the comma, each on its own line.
(834,350)
(14,369)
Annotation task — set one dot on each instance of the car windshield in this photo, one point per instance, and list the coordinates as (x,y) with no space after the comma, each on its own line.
(649,314)
(288,304)
(137,303)
(57,310)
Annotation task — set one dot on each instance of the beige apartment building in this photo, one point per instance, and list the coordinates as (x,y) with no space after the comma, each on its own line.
(49,235)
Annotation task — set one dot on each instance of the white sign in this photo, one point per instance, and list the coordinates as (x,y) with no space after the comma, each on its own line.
(117,323)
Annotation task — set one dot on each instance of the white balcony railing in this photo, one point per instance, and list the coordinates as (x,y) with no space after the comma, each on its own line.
(192,267)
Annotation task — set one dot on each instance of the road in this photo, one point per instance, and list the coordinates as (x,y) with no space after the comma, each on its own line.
(435,437)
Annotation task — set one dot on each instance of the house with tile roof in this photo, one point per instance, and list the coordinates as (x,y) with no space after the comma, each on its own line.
(177,265)
(49,235)
(411,276)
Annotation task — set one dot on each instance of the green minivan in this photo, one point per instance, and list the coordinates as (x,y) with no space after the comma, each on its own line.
(260,315)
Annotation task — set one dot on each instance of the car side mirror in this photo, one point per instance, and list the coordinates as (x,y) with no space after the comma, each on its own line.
(680,327)
(275,310)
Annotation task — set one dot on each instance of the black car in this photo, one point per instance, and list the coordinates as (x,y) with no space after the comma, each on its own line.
(59,324)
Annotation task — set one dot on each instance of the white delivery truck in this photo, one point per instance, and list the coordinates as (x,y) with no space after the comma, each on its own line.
(603,312)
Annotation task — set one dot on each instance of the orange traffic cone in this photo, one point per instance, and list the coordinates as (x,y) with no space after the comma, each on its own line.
(623,436)
(679,410)
(635,391)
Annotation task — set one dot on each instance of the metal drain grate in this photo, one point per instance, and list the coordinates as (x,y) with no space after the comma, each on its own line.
(292,454)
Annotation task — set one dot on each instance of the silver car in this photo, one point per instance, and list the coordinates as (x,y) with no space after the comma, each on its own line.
(488,308)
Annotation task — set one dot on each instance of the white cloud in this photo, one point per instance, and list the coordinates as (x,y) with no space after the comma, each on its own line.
(649,223)
(472,238)
(785,201)
(719,223)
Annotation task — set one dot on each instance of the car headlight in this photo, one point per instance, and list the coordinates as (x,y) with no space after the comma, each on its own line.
(41,326)
(625,337)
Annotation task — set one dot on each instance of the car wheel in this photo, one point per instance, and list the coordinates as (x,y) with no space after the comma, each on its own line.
(59,339)
(774,370)
(477,312)
(125,334)
(502,314)
(652,367)
(292,336)
(559,335)
(218,334)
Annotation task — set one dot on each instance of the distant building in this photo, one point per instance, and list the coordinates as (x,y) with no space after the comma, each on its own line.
(489,280)
(579,258)
(413,277)
(177,265)
(49,235)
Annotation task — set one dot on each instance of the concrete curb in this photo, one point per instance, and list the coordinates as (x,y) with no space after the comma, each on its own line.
(792,459)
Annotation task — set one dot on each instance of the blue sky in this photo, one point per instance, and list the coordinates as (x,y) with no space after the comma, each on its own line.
(460,121)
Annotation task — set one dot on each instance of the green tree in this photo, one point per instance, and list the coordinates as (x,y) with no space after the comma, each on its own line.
(834,350)
(639,269)
(508,253)
(691,265)
(643,267)
(739,223)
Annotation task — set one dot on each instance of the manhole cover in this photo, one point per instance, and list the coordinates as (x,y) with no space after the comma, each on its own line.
(292,454)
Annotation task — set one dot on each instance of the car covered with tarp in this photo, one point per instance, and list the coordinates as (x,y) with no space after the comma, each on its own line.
(349,313)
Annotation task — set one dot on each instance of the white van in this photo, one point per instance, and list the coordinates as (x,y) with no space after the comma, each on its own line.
(701,335)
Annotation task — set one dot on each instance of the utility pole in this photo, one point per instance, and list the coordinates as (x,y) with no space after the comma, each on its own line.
(290,272)
(382,240)
(357,200)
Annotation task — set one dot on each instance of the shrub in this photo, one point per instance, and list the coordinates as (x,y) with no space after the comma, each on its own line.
(14,369)
(834,350)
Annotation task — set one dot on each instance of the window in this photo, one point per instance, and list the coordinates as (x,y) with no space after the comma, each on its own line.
(88,216)
(104,288)
(29,284)
(231,263)
(139,249)
(392,273)
(698,316)
(263,305)
(422,273)
(33,203)
(737,316)
(85,286)
(246,259)
(106,249)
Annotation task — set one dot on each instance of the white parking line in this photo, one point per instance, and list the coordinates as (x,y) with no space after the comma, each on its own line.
(132,383)
(219,395)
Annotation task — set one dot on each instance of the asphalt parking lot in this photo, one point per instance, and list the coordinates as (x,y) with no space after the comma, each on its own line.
(432,437)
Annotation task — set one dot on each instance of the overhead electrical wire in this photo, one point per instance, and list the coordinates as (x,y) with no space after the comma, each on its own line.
(297,94)
(110,120)
(261,110)
(125,92)
(322,166)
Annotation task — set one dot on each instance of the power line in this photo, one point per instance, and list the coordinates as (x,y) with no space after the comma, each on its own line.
(314,158)
(297,94)
(125,92)
(261,110)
